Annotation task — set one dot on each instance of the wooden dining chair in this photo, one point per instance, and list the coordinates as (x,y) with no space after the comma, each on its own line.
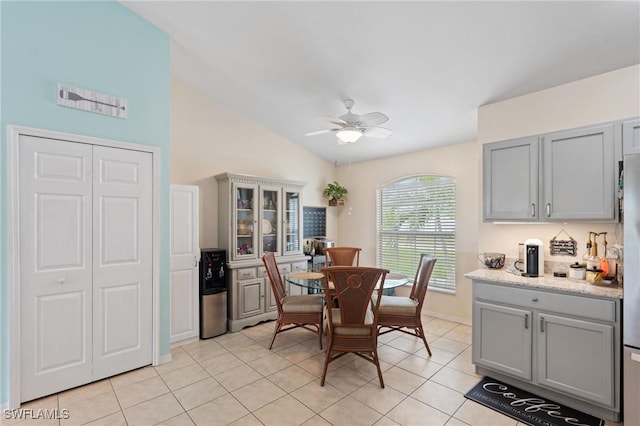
(296,311)
(352,325)
(397,312)
(343,256)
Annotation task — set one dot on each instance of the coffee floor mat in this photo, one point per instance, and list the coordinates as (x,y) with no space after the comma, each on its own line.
(527,407)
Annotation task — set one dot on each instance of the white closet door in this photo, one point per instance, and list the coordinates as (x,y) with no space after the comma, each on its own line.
(55,192)
(122,260)
(185,253)
(85,263)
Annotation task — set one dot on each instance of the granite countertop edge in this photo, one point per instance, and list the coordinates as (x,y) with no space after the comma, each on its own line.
(565,285)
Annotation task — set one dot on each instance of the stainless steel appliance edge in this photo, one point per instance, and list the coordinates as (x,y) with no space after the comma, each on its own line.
(631,301)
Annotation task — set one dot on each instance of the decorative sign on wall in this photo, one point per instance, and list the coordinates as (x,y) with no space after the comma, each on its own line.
(563,247)
(88,100)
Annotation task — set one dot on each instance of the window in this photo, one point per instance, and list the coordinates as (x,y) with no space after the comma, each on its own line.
(417,215)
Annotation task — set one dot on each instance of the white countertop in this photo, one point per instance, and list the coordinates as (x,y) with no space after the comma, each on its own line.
(565,285)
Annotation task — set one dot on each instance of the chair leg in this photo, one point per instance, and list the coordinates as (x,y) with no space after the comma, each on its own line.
(320,332)
(377,362)
(275,333)
(324,370)
(327,358)
(420,332)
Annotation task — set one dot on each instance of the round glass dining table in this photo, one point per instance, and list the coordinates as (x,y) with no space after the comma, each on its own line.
(314,281)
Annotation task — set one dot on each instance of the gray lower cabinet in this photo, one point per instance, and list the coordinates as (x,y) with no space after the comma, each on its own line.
(251,299)
(251,294)
(561,346)
(589,345)
(494,326)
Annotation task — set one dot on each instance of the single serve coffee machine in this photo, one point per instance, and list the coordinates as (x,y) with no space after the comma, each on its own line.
(533,258)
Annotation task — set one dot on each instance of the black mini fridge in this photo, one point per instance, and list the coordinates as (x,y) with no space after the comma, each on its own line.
(213,293)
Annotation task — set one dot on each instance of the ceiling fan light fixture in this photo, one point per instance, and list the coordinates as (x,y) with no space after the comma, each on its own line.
(349,134)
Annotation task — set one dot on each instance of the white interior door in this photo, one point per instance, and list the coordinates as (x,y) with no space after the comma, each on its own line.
(86,263)
(56,269)
(185,253)
(122,260)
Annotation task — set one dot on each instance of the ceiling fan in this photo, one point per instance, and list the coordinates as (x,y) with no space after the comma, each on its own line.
(352,127)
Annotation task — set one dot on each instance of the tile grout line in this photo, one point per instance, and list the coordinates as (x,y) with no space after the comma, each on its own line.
(240,341)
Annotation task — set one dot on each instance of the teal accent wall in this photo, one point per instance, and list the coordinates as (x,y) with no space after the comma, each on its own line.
(96,45)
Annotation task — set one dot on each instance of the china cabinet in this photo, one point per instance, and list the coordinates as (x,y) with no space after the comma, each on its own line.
(256,216)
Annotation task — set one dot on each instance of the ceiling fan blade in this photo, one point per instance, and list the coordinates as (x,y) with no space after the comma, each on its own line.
(372,119)
(321,132)
(334,120)
(378,132)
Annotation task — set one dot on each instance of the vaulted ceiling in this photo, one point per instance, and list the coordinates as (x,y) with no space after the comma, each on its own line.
(427,65)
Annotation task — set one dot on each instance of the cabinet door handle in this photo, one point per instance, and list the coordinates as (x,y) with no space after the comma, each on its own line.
(526,321)
(541,325)
(535,299)
(195,261)
(533,209)
(548,209)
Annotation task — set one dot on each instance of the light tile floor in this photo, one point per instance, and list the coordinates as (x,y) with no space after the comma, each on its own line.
(234,379)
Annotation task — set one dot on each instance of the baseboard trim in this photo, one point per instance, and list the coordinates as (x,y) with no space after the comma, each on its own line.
(447,317)
(165,358)
(184,342)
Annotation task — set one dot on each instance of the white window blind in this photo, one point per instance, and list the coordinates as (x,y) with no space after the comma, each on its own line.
(418,215)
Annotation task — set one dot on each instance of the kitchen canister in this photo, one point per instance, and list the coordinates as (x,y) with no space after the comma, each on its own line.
(594,275)
(577,271)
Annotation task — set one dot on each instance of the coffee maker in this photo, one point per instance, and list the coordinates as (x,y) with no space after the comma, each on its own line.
(533,258)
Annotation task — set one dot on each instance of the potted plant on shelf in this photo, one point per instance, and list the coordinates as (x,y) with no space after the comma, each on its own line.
(336,193)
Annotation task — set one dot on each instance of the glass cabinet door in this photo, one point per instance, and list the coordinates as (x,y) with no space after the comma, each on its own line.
(292,222)
(270,220)
(245,216)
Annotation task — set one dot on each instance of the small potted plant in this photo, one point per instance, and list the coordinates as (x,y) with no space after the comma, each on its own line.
(335,192)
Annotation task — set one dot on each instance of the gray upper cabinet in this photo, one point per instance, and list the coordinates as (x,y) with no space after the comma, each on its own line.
(579,174)
(631,137)
(510,177)
(568,175)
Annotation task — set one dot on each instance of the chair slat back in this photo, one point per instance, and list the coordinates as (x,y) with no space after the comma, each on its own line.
(423,275)
(344,256)
(277,286)
(353,286)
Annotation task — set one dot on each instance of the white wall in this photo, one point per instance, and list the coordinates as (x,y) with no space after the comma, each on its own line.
(208,138)
(357,219)
(606,97)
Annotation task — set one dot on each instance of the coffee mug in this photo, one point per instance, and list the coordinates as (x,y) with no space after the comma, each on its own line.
(519,265)
(492,260)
